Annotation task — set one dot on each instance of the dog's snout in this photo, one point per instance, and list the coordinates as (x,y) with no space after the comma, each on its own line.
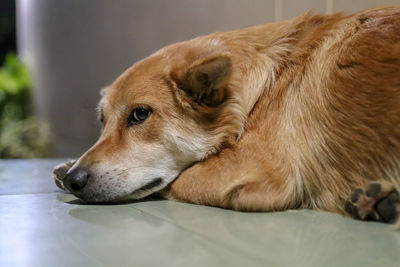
(76,179)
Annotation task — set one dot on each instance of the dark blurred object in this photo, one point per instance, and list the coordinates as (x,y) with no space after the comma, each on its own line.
(7,28)
(15,87)
(21,135)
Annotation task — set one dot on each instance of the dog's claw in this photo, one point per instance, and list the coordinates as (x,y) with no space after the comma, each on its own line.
(60,171)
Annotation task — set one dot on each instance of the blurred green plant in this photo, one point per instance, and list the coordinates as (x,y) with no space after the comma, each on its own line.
(21,134)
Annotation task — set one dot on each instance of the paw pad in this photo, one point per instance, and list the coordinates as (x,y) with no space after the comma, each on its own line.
(376,203)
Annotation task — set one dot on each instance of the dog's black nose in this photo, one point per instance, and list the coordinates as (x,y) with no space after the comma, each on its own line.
(76,179)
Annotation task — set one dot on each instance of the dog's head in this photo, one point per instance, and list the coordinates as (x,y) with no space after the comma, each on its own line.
(160,116)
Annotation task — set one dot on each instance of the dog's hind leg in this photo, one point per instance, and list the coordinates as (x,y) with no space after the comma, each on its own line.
(380,201)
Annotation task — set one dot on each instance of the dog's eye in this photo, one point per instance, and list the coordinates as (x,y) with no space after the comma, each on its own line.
(138,115)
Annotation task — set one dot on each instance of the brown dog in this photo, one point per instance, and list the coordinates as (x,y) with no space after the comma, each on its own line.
(303,113)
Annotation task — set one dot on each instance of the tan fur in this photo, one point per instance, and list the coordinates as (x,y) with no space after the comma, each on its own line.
(302,112)
(330,123)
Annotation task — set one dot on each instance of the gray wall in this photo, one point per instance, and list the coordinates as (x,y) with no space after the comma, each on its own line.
(76,47)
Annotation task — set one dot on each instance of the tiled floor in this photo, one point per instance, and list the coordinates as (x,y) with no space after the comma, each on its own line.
(41,226)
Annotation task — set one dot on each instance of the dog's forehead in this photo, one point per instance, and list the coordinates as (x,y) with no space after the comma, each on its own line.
(148,78)
(143,82)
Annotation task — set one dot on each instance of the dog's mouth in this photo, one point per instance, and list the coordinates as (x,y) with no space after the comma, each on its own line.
(154,183)
(140,193)
(146,190)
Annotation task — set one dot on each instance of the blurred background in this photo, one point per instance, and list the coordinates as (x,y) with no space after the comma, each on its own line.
(55,56)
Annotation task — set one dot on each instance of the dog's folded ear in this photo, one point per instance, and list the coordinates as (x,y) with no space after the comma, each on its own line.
(205,81)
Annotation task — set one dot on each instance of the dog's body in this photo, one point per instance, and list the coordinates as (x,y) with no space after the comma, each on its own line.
(294,114)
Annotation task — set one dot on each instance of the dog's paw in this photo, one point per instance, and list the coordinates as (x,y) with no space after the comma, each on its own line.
(60,171)
(379,202)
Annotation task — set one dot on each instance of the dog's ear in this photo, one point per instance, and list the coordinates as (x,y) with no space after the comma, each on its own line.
(206,80)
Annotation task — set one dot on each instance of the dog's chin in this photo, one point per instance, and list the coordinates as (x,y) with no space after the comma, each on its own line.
(114,197)
(95,198)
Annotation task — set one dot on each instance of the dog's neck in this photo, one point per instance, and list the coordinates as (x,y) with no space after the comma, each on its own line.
(259,56)
(269,51)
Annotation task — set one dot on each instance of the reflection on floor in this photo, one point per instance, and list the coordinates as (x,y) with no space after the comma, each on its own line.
(42,226)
